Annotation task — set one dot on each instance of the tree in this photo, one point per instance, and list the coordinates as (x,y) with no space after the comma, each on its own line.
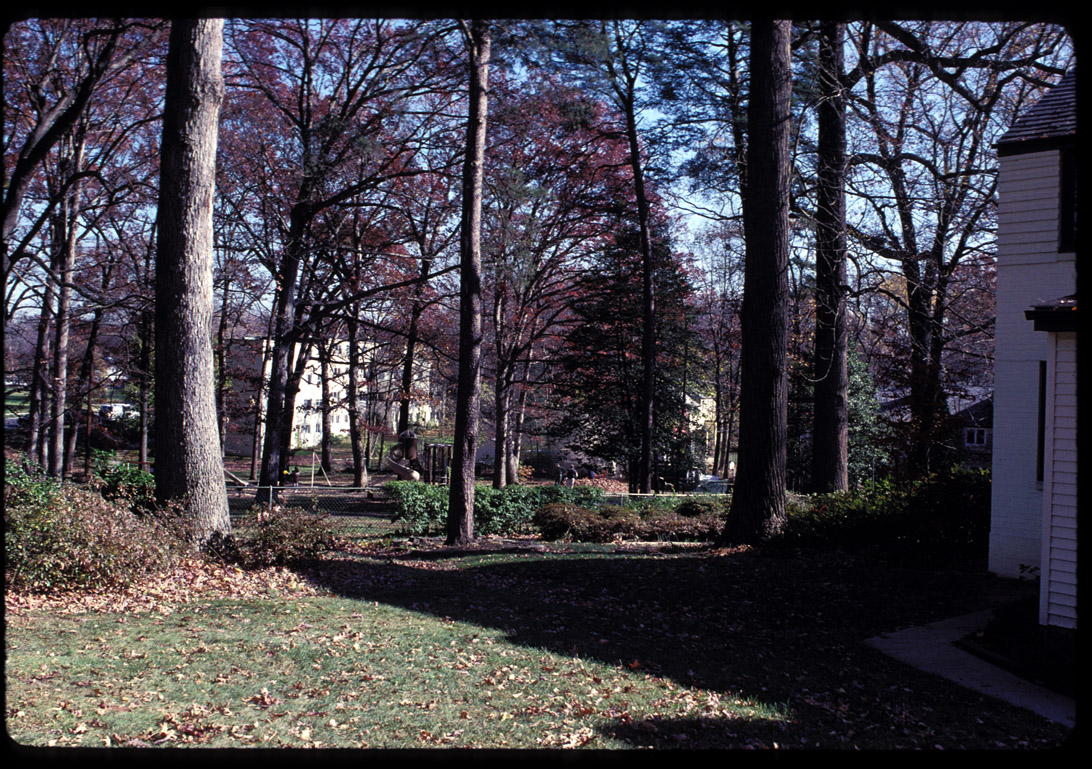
(613,58)
(460,516)
(934,96)
(73,121)
(188,463)
(758,500)
(555,187)
(830,431)
(597,374)
(336,101)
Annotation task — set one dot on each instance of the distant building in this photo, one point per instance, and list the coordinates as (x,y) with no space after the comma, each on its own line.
(379,387)
(973,434)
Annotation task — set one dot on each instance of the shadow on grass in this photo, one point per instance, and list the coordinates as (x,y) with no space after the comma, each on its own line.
(771,631)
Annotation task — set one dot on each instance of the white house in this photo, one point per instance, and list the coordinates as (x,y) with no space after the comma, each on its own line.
(379,386)
(1034,503)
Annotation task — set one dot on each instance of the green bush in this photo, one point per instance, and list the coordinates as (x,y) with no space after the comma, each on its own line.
(505,511)
(937,517)
(420,508)
(565,521)
(287,535)
(61,536)
(696,507)
(127,485)
(951,508)
(584,496)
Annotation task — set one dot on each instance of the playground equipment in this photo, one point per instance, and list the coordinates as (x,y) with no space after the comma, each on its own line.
(405,462)
(402,459)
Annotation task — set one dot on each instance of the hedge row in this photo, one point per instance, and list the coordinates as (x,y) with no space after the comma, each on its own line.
(421,508)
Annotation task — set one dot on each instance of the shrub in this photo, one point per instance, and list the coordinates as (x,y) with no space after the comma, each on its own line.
(420,508)
(60,536)
(288,535)
(840,519)
(615,522)
(505,511)
(674,527)
(564,520)
(584,496)
(696,507)
(951,508)
(935,518)
(127,485)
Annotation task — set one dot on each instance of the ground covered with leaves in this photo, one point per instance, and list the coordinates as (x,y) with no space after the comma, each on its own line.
(507,644)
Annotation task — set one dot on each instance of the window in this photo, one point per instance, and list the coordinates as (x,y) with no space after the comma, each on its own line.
(974,437)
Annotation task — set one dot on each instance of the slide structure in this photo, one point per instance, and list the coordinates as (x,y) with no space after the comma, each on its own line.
(400,467)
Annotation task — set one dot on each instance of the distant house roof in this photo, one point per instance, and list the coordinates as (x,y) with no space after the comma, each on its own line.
(979,414)
(972,406)
(1050,121)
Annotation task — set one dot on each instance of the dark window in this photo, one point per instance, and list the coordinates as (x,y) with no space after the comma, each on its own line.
(1067,203)
(974,437)
(1040,438)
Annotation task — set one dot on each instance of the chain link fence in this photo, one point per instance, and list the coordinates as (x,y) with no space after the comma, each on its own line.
(360,511)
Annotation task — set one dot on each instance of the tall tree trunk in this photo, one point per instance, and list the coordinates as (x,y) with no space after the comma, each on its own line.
(65,236)
(500,392)
(646,407)
(460,517)
(405,396)
(285,317)
(84,377)
(326,461)
(288,414)
(221,367)
(830,416)
(39,386)
(260,393)
(515,432)
(758,501)
(188,464)
(147,330)
(356,417)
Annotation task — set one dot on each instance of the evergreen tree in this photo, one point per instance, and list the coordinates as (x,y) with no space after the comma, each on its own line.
(599,375)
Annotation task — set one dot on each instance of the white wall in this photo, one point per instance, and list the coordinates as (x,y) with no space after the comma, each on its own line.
(1029,271)
(1058,588)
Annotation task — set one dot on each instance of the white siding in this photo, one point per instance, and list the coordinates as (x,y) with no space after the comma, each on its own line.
(1029,271)
(1058,597)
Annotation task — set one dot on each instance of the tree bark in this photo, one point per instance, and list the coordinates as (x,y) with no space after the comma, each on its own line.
(147,331)
(188,465)
(405,396)
(39,386)
(325,459)
(65,239)
(758,501)
(460,517)
(830,417)
(356,418)
(646,414)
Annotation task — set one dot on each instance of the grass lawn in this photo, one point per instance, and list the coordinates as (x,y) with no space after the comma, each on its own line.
(512,644)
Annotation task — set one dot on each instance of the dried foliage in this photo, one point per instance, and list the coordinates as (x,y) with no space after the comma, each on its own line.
(61,536)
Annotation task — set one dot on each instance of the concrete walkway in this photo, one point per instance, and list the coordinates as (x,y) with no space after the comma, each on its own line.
(931,648)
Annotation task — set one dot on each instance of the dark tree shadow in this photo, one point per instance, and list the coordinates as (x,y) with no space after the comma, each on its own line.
(762,629)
